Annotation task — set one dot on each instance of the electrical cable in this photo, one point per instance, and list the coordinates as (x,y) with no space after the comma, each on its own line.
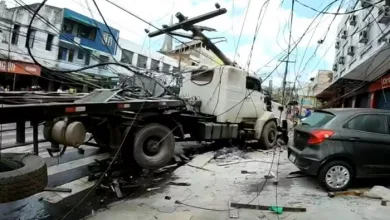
(242,28)
(326,34)
(343,13)
(154,26)
(31,11)
(258,25)
(296,44)
(109,166)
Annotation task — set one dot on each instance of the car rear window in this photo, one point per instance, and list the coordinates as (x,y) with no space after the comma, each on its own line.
(317,119)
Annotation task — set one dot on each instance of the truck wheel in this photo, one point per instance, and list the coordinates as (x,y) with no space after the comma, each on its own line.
(336,175)
(154,146)
(21,175)
(268,135)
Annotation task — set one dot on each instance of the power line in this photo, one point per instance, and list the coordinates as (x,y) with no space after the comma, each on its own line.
(143,20)
(242,28)
(258,24)
(342,13)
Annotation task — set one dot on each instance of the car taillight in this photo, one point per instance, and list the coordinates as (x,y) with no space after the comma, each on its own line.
(319,136)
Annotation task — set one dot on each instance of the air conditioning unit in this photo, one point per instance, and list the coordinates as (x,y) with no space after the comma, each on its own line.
(344,34)
(363,37)
(384,15)
(352,20)
(335,67)
(351,51)
(337,45)
(365,3)
(341,61)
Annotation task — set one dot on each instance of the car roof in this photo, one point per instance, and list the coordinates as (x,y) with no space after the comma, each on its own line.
(353,110)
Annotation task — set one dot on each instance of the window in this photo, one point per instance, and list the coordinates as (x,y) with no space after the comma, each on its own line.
(80,55)
(127,56)
(107,39)
(62,51)
(30,43)
(202,76)
(368,123)
(166,68)
(253,83)
(155,65)
(175,69)
(142,60)
(49,41)
(317,119)
(86,32)
(71,55)
(87,57)
(103,59)
(15,34)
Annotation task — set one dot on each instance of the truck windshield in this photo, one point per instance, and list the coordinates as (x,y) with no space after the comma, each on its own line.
(317,119)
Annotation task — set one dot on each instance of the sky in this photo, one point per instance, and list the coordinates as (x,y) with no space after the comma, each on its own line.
(238,27)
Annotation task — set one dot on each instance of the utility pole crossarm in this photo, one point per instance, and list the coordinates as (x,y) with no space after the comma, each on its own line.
(187,23)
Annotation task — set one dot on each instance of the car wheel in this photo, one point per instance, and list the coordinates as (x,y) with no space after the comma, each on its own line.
(336,175)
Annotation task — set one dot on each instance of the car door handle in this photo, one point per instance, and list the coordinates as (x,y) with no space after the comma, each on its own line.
(354,139)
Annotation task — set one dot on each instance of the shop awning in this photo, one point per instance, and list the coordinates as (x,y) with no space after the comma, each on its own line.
(20,68)
(79,18)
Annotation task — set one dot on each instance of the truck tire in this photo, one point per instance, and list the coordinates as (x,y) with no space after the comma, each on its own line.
(21,175)
(154,146)
(268,135)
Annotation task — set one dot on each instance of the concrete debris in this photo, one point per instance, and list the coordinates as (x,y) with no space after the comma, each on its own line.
(153,188)
(346,193)
(240,161)
(269,176)
(247,172)
(384,202)
(378,192)
(201,160)
(167,198)
(179,184)
(201,168)
(230,154)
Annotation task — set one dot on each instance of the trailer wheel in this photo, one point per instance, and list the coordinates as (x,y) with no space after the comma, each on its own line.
(154,146)
(21,175)
(268,135)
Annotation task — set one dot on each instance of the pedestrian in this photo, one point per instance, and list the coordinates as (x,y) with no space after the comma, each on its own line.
(308,112)
(7,88)
(60,89)
(1,88)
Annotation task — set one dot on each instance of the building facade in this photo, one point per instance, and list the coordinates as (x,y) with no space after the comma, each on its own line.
(18,71)
(310,93)
(362,55)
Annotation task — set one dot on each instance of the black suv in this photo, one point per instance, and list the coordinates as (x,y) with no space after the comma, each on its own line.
(338,145)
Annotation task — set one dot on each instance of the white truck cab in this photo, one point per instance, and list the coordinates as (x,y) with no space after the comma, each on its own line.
(226,92)
(233,97)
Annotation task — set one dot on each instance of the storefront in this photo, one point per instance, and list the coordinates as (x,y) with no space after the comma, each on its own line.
(381,92)
(18,75)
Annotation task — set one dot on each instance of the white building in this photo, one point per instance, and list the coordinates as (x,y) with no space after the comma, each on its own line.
(362,52)
(16,66)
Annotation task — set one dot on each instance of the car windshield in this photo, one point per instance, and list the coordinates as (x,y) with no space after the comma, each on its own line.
(317,119)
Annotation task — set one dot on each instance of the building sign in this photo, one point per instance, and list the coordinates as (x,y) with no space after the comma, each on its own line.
(20,68)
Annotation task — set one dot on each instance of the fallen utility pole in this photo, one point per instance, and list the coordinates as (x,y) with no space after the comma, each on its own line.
(188,24)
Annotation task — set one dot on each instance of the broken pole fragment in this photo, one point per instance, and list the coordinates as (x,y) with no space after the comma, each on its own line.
(264,207)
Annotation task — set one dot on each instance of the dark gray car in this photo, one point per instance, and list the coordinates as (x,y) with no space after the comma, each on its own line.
(338,145)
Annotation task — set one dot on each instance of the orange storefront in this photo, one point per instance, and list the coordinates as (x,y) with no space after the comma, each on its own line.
(18,75)
(380,92)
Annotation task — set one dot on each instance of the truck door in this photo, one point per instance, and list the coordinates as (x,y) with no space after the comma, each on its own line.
(254,101)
